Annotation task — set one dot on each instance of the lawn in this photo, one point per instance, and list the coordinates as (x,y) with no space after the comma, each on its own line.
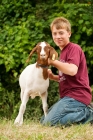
(31,130)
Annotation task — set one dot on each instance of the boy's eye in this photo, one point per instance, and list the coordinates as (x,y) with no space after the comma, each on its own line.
(54,33)
(61,33)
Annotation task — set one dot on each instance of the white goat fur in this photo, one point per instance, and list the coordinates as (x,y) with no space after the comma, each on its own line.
(32,80)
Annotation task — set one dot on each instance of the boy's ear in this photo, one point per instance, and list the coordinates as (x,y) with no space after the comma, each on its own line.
(69,34)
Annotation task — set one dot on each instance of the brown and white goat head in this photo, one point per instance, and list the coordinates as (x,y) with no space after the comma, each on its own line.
(44,51)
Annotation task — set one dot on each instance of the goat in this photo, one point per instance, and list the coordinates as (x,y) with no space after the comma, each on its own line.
(34,79)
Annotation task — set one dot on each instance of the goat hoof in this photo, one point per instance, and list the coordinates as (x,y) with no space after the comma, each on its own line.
(18,123)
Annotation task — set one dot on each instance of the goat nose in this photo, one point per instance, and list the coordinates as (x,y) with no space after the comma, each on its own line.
(42,54)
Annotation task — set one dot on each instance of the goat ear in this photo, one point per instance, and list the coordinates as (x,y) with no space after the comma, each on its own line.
(30,55)
(53,53)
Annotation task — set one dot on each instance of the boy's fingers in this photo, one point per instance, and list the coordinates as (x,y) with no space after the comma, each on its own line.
(49,71)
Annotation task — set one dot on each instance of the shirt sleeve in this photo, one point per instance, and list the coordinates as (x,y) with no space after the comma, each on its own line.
(74,55)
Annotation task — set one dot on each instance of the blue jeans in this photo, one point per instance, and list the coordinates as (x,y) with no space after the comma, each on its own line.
(67,111)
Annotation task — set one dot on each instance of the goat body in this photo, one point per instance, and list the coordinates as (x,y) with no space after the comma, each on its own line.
(35,83)
(34,79)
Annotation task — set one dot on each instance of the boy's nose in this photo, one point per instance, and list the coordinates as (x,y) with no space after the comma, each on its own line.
(57,35)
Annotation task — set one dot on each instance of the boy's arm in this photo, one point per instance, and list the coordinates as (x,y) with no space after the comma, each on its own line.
(66,68)
(53,76)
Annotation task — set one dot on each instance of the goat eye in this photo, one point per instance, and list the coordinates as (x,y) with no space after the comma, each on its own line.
(46,50)
(39,49)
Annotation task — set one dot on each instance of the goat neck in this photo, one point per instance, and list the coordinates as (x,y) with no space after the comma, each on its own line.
(44,65)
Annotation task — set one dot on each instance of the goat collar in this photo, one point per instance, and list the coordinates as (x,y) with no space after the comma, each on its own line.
(42,66)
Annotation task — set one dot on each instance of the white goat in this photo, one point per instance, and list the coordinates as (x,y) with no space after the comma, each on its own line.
(34,79)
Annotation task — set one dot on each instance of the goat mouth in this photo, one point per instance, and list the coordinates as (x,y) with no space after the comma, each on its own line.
(43,58)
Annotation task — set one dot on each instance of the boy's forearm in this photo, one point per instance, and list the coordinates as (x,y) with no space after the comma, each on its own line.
(66,68)
(55,78)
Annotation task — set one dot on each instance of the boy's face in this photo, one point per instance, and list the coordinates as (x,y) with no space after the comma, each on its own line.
(60,37)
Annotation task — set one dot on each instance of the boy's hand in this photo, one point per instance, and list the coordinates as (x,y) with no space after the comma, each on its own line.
(49,61)
(50,74)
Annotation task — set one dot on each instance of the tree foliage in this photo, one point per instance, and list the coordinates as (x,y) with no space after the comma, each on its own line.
(23,24)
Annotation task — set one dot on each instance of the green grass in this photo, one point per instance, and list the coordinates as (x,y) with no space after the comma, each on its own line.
(35,131)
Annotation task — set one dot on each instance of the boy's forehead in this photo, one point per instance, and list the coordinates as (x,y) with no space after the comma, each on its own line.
(54,28)
(59,26)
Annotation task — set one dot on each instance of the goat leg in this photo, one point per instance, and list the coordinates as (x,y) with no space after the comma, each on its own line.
(44,102)
(19,118)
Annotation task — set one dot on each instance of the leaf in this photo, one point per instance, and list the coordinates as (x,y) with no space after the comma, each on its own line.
(80,21)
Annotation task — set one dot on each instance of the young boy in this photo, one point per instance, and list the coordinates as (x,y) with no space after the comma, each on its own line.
(74,89)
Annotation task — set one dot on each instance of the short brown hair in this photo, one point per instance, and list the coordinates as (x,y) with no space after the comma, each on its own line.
(61,23)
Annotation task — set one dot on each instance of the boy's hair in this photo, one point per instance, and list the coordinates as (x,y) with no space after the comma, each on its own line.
(61,23)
